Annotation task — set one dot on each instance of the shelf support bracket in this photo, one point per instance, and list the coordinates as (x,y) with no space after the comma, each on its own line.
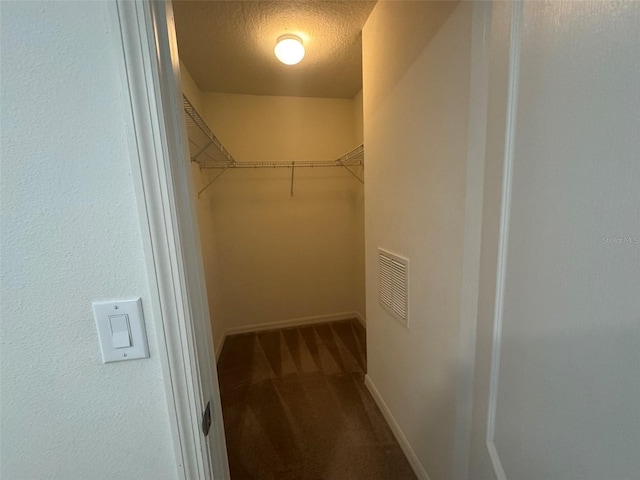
(195,157)
(352,173)
(214,179)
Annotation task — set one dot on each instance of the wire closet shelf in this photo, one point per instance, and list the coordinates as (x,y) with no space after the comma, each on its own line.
(208,152)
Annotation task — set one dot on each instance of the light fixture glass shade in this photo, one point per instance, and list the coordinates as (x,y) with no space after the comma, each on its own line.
(289,49)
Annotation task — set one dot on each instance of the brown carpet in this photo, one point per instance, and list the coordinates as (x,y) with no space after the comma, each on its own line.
(295,407)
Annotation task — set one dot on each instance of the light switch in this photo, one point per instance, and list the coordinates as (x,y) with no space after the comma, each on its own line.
(120,334)
(121,330)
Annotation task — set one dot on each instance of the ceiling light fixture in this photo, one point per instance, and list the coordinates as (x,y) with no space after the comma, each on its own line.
(289,49)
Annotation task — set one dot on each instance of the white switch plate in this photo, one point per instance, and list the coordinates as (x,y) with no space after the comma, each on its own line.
(113,311)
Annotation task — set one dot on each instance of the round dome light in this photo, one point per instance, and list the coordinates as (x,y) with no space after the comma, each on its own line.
(289,49)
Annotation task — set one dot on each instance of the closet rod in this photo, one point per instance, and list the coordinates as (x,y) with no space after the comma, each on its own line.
(351,158)
(307,164)
(209,145)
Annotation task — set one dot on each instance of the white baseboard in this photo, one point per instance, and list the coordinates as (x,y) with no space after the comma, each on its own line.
(218,347)
(293,322)
(397,432)
(361,319)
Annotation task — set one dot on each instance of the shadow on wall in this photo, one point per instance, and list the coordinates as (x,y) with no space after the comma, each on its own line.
(572,386)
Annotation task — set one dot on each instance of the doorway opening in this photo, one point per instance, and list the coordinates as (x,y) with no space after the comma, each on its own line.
(277,161)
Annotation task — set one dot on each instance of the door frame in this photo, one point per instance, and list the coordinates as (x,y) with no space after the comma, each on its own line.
(146,51)
(472,239)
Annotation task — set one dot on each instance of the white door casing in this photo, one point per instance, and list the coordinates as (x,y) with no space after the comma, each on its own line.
(144,39)
(505,214)
(478,100)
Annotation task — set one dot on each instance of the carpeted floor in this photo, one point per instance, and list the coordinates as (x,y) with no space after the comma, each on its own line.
(295,407)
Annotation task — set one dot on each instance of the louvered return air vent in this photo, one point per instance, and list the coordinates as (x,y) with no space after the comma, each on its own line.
(393,288)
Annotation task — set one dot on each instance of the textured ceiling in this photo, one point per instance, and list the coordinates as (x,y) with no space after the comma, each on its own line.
(227,46)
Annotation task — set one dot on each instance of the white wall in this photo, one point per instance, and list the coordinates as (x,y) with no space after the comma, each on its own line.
(416,67)
(569,383)
(70,235)
(269,256)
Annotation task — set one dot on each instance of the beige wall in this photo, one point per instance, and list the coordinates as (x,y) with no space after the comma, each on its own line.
(266,128)
(207,227)
(269,256)
(358,118)
(190,89)
(283,257)
(70,236)
(415,129)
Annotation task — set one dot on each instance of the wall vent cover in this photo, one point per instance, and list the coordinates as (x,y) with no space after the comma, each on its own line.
(393,284)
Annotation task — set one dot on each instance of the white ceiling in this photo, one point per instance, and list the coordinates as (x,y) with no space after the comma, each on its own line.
(227,46)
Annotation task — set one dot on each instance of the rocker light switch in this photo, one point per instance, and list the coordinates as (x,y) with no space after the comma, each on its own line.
(121,330)
(120,336)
